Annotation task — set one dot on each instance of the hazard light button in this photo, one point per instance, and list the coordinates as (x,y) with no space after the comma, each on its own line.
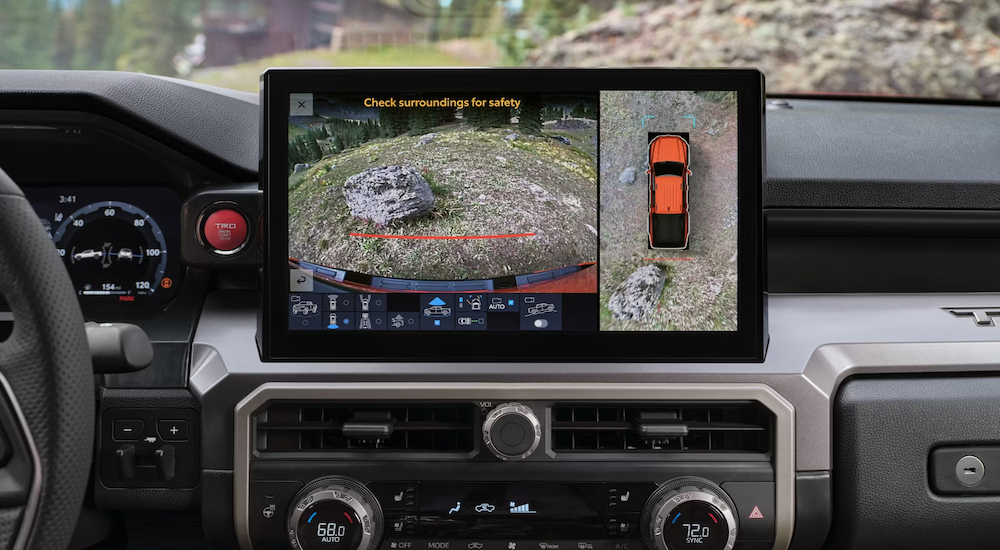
(755,503)
(225,231)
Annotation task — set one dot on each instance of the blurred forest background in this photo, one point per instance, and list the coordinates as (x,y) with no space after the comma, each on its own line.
(176,37)
(937,48)
(127,35)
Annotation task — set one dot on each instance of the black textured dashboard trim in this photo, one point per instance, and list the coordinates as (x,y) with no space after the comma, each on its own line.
(813,510)
(214,126)
(883,431)
(876,154)
(870,222)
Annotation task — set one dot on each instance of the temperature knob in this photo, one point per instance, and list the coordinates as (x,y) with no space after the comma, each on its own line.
(512,431)
(689,513)
(335,513)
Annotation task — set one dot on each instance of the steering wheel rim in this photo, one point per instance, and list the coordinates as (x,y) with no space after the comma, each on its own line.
(46,373)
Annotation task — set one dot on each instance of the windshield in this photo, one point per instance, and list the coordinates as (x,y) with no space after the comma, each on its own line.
(891,47)
(668,169)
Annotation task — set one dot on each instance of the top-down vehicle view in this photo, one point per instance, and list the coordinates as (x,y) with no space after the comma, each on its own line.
(668,191)
(392,274)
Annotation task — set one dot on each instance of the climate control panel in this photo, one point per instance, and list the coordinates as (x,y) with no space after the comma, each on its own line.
(509,473)
(342,513)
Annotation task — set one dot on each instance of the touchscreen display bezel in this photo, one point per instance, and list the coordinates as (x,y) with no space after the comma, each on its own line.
(746,344)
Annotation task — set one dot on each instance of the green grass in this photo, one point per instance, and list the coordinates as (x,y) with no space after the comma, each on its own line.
(436,188)
(246,76)
(460,166)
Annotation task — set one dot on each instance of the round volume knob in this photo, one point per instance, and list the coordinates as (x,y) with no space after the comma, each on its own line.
(335,513)
(689,513)
(512,431)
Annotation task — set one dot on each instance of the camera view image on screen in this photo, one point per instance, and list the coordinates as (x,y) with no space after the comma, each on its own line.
(668,211)
(611,211)
(436,194)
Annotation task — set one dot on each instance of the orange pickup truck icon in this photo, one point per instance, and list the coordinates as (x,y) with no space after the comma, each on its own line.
(668,192)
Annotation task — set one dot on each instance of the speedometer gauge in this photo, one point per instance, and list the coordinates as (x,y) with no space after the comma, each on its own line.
(113,248)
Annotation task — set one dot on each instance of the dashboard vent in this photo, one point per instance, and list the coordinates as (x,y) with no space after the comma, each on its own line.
(681,427)
(324,427)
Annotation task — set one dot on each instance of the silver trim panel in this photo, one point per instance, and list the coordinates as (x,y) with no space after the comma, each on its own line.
(817,341)
(784,437)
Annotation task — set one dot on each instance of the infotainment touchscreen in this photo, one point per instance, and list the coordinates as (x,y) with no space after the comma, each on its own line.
(462,208)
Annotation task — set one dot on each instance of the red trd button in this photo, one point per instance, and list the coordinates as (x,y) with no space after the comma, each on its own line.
(225,230)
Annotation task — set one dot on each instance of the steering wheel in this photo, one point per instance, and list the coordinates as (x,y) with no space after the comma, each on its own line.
(46,386)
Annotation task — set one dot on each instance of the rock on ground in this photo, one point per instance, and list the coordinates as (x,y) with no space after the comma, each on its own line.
(627,175)
(638,294)
(300,167)
(511,137)
(426,138)
(936,48)
(574,124)
(388,193)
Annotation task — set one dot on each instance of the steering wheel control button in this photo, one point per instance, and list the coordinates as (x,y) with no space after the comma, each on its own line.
(512,431)
(969,470)
(127,430)
(172,430)
(225,231)
(690,513)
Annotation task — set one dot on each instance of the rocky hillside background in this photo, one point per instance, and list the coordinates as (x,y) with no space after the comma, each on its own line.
(901,47)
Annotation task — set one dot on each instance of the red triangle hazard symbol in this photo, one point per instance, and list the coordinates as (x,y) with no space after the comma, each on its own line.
(756,514)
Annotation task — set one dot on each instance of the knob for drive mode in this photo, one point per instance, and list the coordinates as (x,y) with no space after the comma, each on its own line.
(689,513)
(335,513)
(512,431)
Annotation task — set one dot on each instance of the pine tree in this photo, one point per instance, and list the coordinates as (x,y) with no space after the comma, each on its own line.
(338,144)
(482,118)
(62,55)
(529,120)
(394,121)
(95,22)
(27,34)
(497,116)
(155,32)
(471,115)
(446,115)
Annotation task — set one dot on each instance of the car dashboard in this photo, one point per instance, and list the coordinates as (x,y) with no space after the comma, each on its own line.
(882,228)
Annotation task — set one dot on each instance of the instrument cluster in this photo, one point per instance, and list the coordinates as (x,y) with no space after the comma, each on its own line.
(120,245)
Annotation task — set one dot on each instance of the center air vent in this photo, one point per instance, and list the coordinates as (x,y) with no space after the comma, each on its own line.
(716,427)
(329,427)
